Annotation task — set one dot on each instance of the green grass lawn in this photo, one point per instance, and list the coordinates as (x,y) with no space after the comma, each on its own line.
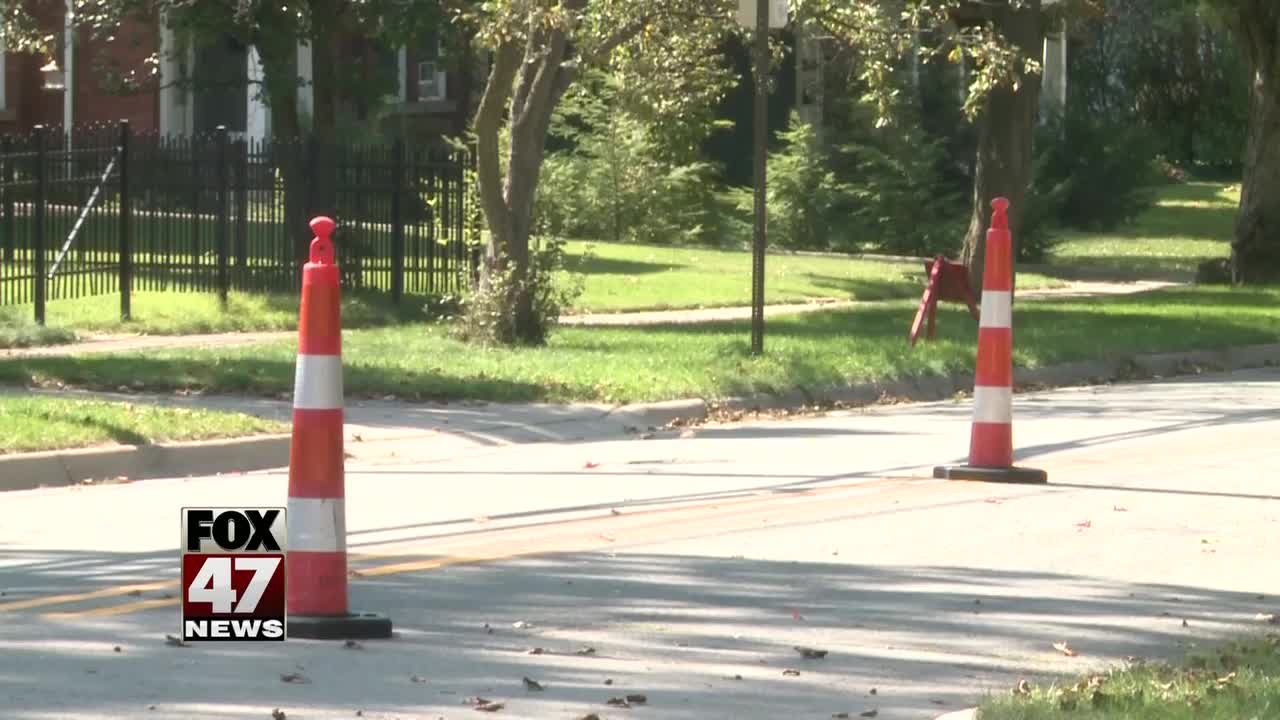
(52,423)
(1238,681)
(620,277)
(655,363)
(1189,224)
(17,331)
(174,313)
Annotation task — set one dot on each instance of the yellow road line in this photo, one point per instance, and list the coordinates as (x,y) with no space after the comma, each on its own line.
(81,597)
(571,535)
(110,610)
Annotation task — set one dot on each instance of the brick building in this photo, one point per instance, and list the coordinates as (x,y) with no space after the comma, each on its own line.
(215,84)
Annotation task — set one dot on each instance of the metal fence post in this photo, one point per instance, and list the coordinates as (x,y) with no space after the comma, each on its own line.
(223,221)
(41,211)
(10,241)
(240,195)
(397,223)
(475,220)
(126,230)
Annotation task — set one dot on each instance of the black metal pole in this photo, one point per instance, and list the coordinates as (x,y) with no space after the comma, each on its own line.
(397,223)
(760,126)
(126,239)
(10,238)
(41,210)
(223,222)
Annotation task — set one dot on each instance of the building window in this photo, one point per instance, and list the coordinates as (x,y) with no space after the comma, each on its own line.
(432,80)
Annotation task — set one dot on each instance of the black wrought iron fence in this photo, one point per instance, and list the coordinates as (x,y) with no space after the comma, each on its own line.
(105,210)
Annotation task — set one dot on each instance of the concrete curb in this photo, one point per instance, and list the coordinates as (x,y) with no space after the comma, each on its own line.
(936,388)
(27,471)
(135,462)
(657,414)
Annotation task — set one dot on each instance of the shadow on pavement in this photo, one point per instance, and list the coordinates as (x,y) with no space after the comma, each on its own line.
(701,637)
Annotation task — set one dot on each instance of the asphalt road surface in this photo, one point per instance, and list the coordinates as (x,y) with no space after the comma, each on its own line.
(687,568)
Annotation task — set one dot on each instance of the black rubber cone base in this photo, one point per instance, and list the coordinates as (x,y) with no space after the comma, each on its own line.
(1028,476)
(352,626)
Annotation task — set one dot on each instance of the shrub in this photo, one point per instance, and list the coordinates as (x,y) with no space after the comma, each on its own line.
(804,196)
(903,203)
(614,179)
(1097,167)
(489,315)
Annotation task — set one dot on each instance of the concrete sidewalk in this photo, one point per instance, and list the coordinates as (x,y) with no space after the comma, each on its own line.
(396,432)
(135,343)
(687,569)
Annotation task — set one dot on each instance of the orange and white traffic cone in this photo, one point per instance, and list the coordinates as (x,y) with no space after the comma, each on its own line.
(316,571)
(991,439)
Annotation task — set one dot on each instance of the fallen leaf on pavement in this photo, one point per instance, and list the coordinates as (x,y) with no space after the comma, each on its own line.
(1065,649)
(116,649)
(490,706)
(637,699)
(537,651)
(353,645)
(277,714)
(839,716)
(1085,524)
(869,713)
(615,511)
(810,653)
(297,678)
(873,691)
(608,681)
(174,641)
(618,702)
(937,702)
(586,650)
(791,672)
(135,593)
(1184,622)
(1117,508)
(531,684)
(590,465)
(417,679)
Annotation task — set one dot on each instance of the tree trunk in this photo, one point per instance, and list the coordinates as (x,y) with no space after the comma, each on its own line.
(1006,130)
(1255,250)
(508,202)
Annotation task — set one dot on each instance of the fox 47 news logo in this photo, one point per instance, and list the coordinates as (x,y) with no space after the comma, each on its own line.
(233,574)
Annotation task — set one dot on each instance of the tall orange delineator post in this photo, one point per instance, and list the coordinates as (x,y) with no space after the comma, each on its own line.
(316,571)
(991,438)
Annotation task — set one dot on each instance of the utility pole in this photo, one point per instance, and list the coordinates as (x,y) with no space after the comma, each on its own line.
(760,127)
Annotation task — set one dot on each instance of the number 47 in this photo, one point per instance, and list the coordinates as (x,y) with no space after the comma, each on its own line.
(213,583)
